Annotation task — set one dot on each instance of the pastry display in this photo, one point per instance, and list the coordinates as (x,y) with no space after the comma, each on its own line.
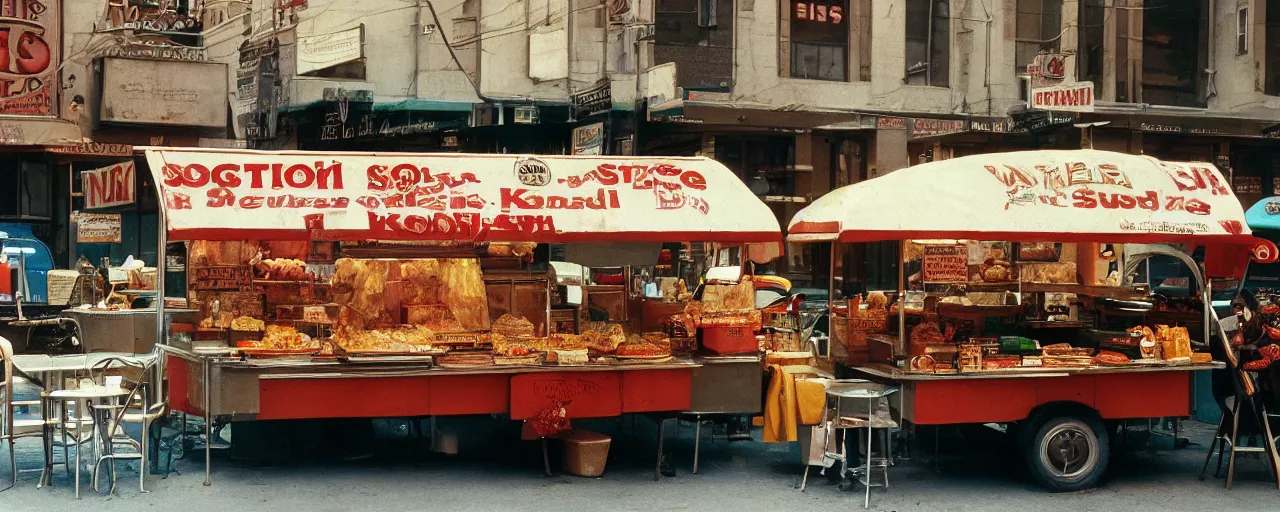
(1065,349)
(282,337)
(465,360)
(244,323)
(281,269)
(1038,251)
(512,326)
(1109,358)
(403,339)
(568,357)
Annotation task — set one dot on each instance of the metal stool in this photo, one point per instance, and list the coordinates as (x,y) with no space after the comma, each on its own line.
(869,420)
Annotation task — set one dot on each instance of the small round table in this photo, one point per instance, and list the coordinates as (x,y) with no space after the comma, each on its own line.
(873,393)
(84,399)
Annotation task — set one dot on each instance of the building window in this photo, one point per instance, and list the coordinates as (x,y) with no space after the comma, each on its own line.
(928,42)
(820,40)
(1039,29)
(1242,31)
(1175,48)
(697,35)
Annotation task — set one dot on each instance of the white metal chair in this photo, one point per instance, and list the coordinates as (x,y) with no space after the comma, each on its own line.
(136,409)
(12,429)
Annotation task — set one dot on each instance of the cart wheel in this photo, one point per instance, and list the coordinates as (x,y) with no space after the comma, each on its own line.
(1068,453)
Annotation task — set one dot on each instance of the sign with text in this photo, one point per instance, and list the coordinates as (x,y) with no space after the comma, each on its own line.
(236,194)
(1077,97)
(328,50)
(946,264)
(935,127)
(98,228)
(224,277)
(589,139)
(1036,195)
(31,56)
(108,186)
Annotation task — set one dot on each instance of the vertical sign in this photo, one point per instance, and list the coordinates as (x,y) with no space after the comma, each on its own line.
(29,64)
(109,186)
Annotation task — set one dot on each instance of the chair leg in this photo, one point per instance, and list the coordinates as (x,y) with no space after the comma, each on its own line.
(805,480)
(885,470)
(13,466)
(142,467)
(1235,438)
(1217,439)
(1268,441)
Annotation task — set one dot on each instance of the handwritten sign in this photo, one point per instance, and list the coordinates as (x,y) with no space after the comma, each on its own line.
(108,186)
(216,195)
(315,315)
(222,277)
(946,264)
(98,228)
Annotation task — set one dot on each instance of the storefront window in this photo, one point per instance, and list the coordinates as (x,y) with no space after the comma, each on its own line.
(928,42)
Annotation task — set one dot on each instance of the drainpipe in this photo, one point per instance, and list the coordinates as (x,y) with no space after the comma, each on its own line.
(1210,72)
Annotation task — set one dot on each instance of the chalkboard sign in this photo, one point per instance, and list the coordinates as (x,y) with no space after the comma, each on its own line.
(946,264)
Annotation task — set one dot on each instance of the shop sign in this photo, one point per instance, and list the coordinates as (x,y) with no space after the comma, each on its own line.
(425,197)
(165,52)
(1179,129)
(93,149)
(820,12)
(31,57)
(945,264)
(97,228)
(108,186)
(589,139)
(891,123)
(1077,97)
(1038,121)
(1000,126)
(594,101)
(329,50)
(173,93)
(1248,184)
(935,127)
(1048,69)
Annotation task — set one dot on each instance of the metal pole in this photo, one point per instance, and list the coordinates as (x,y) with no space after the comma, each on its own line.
(902,295)
(208,423)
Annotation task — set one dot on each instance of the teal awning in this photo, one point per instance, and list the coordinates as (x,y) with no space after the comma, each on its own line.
(1264,215)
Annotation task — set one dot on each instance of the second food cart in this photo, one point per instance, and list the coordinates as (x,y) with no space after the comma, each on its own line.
(1019,308)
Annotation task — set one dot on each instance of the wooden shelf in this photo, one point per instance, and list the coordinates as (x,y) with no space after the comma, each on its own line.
(1110,292)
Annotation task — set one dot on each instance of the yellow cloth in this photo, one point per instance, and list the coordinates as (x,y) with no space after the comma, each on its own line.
(812,399)
(780,410)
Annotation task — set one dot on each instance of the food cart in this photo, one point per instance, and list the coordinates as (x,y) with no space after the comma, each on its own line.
(1017,301)
(359,285)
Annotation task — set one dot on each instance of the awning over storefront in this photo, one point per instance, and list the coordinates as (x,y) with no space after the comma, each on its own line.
(294,195)
(37,131)
(1064,196)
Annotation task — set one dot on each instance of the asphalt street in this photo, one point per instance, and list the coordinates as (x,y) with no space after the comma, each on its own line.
(496,471)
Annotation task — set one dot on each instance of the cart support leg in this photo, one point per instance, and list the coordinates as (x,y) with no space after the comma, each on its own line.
(1217,440)
(657,468)
(546,460)
(208,427)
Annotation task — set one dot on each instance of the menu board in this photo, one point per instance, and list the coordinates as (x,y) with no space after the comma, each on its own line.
(222,277)
(946,264)
(98,228)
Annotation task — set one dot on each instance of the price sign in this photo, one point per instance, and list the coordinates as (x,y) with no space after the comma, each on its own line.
(946,264)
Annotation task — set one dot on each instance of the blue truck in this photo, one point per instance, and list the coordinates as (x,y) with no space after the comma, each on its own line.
(21,248)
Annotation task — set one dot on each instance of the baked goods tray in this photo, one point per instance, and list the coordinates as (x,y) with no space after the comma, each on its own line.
(387,359)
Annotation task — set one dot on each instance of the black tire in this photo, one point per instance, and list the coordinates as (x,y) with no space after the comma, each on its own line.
(1066,453)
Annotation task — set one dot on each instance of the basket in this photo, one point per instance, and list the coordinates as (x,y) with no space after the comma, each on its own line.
(585,452)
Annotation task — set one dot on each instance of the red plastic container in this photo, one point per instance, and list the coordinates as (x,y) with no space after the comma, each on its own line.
(730,340)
